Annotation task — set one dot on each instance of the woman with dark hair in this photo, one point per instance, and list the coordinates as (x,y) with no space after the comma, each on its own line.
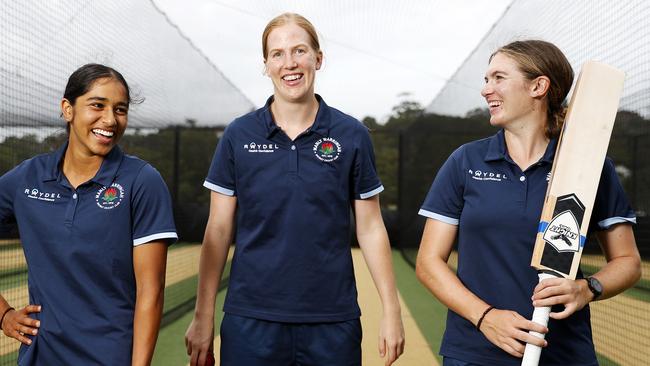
(290,173)
(489,195)
(94,225)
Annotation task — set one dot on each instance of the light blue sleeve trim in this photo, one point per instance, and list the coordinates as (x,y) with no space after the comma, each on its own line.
(435,216)
(607,223)
(375,191)
(218,189)
(152,237)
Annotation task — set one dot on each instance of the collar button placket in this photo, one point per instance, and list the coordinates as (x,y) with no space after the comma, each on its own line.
(293,158)
(72,208)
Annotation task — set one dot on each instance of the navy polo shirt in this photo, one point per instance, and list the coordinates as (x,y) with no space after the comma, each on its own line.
(497,209)
(292,260)
(78,245)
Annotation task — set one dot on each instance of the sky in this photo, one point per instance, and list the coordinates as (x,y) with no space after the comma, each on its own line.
(377,53)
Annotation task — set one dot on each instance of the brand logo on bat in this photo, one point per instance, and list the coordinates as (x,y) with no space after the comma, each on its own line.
(563,232)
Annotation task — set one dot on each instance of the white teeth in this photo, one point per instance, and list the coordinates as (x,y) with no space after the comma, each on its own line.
(103,132)
(494,103)
(291,77)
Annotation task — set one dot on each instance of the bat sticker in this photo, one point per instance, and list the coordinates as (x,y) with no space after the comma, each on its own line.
(563,232)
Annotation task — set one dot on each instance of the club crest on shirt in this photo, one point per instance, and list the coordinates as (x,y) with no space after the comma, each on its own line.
(327,149)
(109,197)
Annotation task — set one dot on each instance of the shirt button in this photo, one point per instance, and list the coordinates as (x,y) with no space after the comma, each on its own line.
(74,196)
(522,178)
(293,147)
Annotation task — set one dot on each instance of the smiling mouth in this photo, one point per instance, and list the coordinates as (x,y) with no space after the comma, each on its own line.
(292,77)
(494,104)
(103,133)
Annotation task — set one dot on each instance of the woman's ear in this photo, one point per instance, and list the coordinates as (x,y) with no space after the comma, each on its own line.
(319,60)
(67,110)
(540,86)
(265,70)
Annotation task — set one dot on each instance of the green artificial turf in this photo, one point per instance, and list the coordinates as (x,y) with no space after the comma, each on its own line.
(170,349)
(429,314)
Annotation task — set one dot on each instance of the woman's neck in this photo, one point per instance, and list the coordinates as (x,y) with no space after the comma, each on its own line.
(78,167)
(526,142)
(294,118)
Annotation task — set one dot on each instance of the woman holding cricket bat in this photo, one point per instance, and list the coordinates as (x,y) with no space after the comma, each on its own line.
(288,174)
(94,224)
(488,196)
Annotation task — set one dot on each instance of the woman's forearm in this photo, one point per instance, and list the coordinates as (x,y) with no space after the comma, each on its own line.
(146,323)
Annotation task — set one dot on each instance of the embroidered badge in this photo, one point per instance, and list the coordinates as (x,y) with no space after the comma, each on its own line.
(327,149)
(109,197)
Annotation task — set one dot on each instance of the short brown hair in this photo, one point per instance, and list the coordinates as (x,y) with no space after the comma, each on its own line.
(287,18)
(537,58)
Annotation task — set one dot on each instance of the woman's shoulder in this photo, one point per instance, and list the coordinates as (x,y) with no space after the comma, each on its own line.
(345,125)
(245,122)
(138,168)
(41,162)
(337,116)
(134,161)
(472,149)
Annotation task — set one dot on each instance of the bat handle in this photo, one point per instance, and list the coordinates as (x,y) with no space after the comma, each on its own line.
(540,316)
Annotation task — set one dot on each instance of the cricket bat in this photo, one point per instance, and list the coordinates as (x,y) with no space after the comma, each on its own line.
(575,174)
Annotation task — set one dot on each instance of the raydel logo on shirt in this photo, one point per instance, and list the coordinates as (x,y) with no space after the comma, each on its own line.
(485,175)
(109,197)
(253,147)
(34,193)
(327,149)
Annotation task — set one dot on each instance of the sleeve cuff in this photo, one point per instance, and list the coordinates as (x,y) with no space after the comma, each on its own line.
(607,223)
(435,216)
(218,189)
(369,194)
(152,237)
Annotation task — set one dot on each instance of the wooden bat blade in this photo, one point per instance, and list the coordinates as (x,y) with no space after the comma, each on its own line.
(577,167)
(574,181)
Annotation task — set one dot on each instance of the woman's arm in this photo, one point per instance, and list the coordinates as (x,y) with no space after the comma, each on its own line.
(214,253)
(14,323)
(622,271)
(504,328)
(373,240)
(149,263)
(17,323)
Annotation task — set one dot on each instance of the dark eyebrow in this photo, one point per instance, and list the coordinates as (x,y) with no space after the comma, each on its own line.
(103,99)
